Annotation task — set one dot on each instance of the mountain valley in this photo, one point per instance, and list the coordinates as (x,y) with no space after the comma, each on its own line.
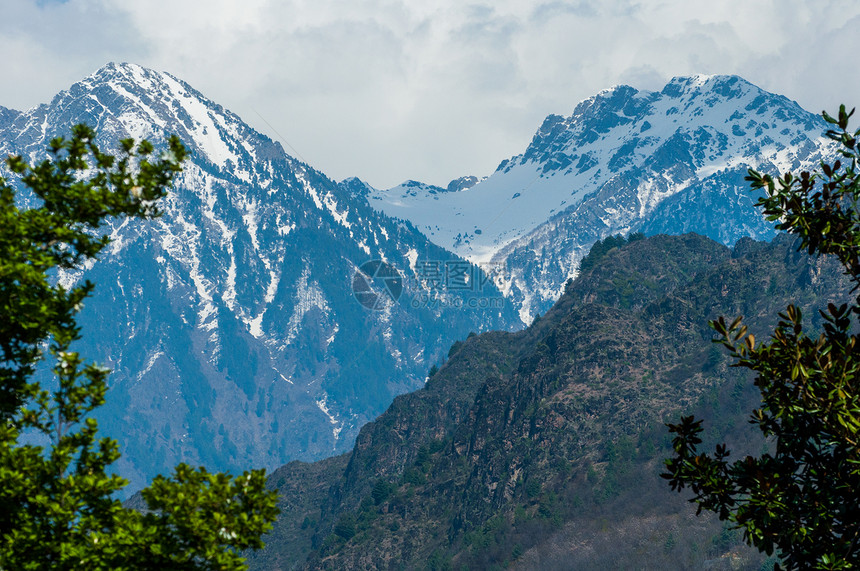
(272,313)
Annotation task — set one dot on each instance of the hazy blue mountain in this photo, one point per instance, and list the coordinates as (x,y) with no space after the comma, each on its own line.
(7,115)
(230,322)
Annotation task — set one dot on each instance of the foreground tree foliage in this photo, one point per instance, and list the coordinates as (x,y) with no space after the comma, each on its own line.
(58,507)
(803,500)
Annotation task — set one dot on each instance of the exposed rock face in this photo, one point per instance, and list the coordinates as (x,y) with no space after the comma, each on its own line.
(559,426)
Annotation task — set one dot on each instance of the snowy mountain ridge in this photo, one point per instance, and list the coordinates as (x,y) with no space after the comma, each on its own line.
(624,160)
(230,322)
(149,105)
(732,122)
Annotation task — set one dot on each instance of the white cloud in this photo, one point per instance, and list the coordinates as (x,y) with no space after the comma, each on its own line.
(389,90)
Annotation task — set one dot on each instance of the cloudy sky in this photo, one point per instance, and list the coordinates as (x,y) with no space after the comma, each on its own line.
(427,89)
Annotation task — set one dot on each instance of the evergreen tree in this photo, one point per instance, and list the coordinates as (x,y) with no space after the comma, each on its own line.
(58,505)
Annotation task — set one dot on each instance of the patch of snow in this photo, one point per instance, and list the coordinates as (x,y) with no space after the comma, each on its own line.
(333,335)
(308,187)
(68,278)
(138,104)
(322,404)
(251,221)
(331,205)
(308,296)
(412,257)
(149,364)
(204,130)
(255,325)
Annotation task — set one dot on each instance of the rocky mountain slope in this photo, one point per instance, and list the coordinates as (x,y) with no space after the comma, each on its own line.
(625,160)
(250,325)
(243,327)
(542,448)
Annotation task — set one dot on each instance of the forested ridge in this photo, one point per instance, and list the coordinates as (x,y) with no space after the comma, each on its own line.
(543,448)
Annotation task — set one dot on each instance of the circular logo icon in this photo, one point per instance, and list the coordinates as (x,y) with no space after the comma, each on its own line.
(377,284)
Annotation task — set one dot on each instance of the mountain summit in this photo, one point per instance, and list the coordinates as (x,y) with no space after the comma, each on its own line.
(232,323)
(670,161)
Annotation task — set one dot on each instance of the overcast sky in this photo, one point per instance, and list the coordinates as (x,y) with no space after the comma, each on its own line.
(388,90)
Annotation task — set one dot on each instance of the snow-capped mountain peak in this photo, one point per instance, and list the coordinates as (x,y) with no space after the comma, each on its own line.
(230,322)
(654,144)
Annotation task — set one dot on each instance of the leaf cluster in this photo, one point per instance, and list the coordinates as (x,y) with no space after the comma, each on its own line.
(58,505)
(802,500)
(820,207)
(78,188)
